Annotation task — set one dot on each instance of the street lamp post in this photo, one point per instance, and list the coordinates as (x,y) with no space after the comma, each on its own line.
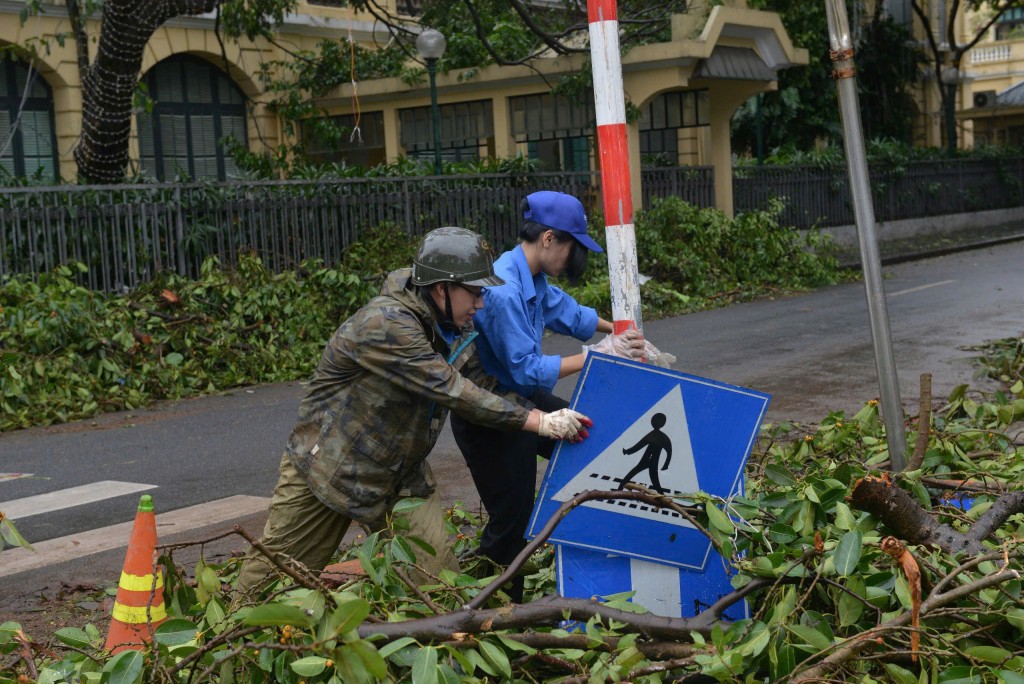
(430,45)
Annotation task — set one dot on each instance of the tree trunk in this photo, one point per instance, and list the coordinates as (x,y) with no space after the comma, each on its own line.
(108,85)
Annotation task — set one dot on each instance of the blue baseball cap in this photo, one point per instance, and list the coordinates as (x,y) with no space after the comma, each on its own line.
(562,212)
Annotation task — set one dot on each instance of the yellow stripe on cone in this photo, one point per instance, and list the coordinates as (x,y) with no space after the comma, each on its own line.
(136,615)
(140,582)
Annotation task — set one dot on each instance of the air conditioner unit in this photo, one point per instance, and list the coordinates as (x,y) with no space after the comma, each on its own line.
(985,98)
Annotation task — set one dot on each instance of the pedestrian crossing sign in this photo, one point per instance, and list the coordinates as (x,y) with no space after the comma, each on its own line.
(673,432)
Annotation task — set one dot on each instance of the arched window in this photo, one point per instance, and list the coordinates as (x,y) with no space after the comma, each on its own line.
(28,144)
(195,107)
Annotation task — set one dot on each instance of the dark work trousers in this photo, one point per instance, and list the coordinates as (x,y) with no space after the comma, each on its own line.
(504,469)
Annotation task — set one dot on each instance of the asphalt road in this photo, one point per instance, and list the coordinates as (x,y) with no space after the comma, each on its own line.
(812,352)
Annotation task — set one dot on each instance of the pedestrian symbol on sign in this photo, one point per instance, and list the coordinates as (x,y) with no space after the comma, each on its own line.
(656,441)
(604,472)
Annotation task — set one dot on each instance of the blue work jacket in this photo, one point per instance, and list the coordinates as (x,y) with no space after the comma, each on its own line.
(512,323)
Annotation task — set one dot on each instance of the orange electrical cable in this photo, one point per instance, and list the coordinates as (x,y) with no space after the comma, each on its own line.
(357,133)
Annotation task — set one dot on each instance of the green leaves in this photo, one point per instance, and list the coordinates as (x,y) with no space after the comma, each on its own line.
(124,668)
(176,632)
(67,353)
(349,615)
(277,614)
(424,667)
(310,666)
(719,520)
(847,553)
(10,536)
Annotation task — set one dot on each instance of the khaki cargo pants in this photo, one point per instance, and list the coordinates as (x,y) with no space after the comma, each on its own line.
(303,528)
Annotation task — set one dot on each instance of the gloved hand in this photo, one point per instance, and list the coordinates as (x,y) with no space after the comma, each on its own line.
(628,345)
(655,357)
(564,424)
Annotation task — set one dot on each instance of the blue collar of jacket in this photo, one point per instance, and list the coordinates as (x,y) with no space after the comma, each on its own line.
(526,277)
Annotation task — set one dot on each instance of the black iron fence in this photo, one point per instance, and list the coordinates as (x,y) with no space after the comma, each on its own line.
(815,196)
(125,234)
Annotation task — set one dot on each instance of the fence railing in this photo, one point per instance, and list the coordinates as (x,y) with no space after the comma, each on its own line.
(814,196)
(126,234)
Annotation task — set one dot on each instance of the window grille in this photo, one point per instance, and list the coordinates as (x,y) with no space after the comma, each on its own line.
(28,141)
(196,108)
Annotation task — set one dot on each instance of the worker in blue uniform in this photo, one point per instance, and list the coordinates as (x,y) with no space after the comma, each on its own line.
(554,242)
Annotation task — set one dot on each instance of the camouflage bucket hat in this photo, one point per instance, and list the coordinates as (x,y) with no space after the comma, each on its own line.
(456,255)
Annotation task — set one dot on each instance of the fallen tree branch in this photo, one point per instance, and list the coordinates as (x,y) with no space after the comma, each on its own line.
(994,517)
(993,487)
(902,515)
(552,610)
(305,579)
(857,643)
(905,518)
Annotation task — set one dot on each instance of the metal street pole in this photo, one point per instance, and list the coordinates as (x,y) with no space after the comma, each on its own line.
(436,114)
(864,215)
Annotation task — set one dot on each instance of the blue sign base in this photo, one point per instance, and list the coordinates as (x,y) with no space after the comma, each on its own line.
(663,590)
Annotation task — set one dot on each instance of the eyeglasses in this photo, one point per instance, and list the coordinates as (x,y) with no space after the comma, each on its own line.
(477,294)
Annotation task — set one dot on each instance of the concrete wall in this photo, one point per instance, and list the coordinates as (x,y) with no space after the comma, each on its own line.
(930,226)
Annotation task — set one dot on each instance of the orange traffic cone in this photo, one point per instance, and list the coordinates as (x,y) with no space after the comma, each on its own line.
(139,601)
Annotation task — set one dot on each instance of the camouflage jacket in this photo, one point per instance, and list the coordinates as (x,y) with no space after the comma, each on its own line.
(379,398)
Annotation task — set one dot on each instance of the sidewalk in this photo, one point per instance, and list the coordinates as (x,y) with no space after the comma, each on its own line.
(910,249)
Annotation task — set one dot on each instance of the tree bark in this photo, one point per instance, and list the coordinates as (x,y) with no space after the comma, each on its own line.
(108,85)
(924,423)
(906,519)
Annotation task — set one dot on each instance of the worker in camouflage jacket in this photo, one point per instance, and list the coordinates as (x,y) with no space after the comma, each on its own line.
(378,401)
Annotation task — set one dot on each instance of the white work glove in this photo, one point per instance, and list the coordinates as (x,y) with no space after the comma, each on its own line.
(630,345)
(564,424)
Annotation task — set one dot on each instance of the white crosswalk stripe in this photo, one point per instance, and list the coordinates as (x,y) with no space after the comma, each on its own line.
(19,509)
(73,546)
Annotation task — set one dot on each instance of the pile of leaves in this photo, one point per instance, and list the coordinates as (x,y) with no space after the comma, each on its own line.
(69,353)
(833,593)
(1003,360)
(693,258)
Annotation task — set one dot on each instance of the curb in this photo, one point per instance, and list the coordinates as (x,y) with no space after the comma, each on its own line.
(894,259)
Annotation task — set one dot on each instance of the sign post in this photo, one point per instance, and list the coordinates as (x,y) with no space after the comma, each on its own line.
(613,150)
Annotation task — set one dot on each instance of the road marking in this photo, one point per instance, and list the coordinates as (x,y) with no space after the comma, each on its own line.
(19,509)
(74,546)
(13,476)
(922,287)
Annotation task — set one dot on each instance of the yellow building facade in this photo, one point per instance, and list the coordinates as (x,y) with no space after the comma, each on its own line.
(201,91)
(991,106)
(989,84)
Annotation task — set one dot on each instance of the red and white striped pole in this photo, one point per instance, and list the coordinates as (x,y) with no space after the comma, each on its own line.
(613,149)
